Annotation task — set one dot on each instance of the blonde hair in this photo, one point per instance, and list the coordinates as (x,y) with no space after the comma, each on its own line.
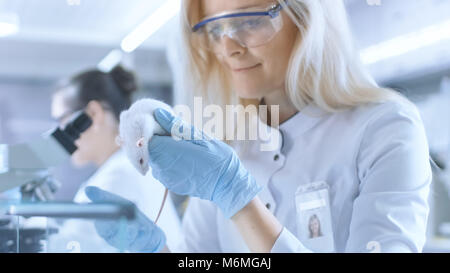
(324,69)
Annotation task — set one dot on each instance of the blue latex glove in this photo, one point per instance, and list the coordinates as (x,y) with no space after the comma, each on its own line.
(142,235)
(206,168)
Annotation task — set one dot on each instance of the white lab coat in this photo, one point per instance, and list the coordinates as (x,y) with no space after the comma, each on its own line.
(375,161)
(118,176)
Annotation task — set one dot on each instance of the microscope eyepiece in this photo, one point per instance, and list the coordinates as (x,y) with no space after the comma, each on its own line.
(80,123)
(77,125)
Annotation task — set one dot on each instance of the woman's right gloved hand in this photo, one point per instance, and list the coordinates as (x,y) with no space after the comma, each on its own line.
(139,235)
(190,163)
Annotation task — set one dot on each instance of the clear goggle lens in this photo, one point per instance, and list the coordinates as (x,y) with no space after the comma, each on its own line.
(248,31)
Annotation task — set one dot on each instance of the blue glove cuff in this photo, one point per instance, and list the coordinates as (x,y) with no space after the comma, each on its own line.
(233,196)
(155,247)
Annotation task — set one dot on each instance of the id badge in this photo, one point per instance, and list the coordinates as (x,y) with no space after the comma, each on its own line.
(314,224)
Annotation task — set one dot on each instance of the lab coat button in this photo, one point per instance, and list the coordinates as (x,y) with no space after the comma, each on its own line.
(276,157)
(268,206)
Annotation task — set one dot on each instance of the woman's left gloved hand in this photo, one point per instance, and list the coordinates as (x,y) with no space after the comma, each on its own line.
(191,163)
(138,235)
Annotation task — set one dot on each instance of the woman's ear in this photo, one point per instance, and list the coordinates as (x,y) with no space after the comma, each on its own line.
(96,112)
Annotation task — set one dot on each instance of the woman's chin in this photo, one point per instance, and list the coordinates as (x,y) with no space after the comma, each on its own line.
(249,93)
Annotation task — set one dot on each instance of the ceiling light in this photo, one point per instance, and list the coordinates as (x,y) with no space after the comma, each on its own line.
(9,24)
(407,43)
(151,25)
(110,61)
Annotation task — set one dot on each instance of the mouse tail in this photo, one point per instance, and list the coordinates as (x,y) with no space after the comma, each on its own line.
(162,205)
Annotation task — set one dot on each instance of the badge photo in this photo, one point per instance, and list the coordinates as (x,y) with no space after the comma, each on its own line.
(314,226)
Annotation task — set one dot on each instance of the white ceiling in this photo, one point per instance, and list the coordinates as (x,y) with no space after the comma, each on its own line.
(57,38)
(92,22)
(374,24)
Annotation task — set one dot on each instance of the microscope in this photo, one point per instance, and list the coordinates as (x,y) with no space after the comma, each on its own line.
(27,165)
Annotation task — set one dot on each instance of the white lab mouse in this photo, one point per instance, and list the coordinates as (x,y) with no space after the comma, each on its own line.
(137,127)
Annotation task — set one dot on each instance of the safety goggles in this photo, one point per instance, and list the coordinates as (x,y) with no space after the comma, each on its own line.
(250,28)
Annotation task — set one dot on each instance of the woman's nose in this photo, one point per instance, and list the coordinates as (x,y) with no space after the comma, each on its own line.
(231,47)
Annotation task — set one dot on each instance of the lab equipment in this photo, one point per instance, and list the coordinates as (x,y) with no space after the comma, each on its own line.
(27,164)
(250,27)
(29,240)
(103,210)
(142,235)
(17,235)
(201,167)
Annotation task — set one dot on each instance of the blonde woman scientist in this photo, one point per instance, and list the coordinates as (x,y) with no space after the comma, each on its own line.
(352,153)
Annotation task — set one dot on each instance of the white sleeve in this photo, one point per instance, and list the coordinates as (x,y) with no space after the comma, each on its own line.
(390,213)
(288,243)
(199,227)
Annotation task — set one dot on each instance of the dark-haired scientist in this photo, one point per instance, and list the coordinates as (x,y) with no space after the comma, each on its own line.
(104,96)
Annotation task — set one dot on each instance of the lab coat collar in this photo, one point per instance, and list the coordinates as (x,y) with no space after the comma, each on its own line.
(303,120)
(293,127)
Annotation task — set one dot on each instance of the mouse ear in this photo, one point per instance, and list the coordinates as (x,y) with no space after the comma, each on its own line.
(119,141)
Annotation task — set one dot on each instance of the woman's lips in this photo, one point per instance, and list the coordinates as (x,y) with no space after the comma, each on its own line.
(246,68)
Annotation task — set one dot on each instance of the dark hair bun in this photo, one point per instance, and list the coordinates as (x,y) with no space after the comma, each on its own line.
(126,80)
